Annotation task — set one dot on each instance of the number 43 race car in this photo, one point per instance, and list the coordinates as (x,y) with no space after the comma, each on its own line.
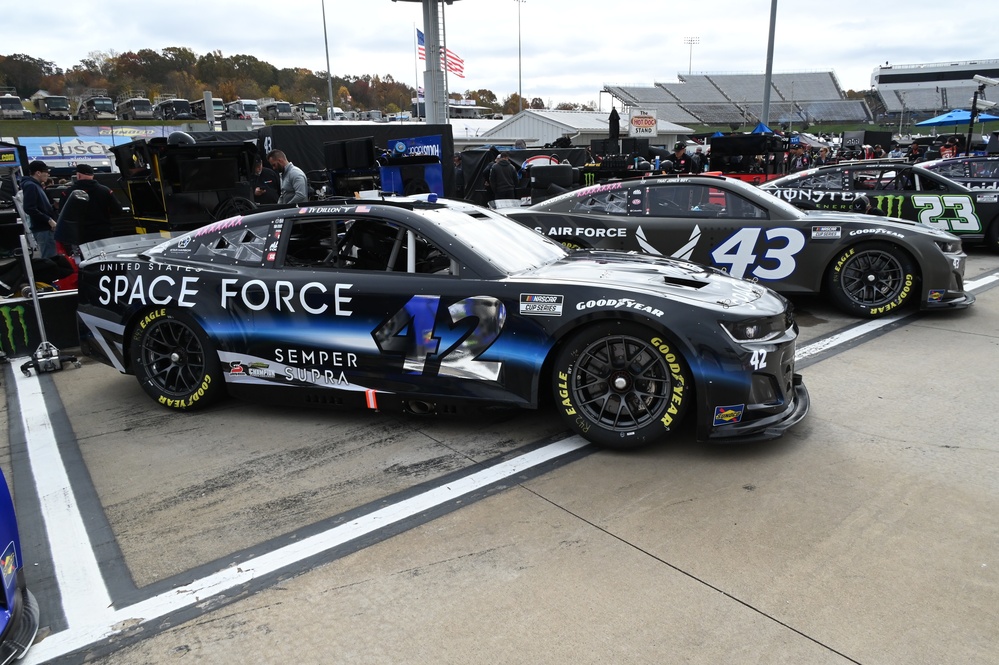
(435,307)
(869,266)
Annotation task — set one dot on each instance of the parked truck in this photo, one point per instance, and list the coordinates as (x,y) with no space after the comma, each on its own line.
(134,105)
(218,108)
(169,106)
(275,109)
(306,111)
(95,104)
(51,107)
(11,107)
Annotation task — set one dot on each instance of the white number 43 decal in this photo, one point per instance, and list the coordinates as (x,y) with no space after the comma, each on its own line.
(953,212)
(781,246)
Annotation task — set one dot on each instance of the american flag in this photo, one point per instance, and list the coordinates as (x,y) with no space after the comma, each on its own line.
(449,58)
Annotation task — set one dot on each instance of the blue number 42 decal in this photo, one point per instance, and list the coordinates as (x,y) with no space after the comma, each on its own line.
(450,349)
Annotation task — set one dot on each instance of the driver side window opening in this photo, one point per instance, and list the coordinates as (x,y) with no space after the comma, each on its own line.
(363,244)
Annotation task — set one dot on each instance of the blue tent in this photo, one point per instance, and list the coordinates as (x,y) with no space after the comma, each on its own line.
(955,118)
(762,129)
(717,134)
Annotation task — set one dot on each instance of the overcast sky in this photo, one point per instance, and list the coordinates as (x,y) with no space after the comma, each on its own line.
(569,49)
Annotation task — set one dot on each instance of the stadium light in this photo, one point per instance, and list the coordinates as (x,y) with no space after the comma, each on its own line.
(690,41)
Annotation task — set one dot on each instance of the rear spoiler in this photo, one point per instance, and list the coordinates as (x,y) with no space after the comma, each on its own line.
(127,245)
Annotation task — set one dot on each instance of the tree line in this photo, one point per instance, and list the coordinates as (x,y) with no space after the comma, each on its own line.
(181,72)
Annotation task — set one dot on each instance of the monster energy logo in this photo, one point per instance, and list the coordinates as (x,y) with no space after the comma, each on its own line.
(589,179)
(890,202)
(8,314)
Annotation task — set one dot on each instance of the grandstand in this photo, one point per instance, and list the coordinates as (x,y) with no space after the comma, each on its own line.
(930,89)
(716,99)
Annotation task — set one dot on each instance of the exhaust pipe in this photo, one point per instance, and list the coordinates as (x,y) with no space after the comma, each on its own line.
(419,408)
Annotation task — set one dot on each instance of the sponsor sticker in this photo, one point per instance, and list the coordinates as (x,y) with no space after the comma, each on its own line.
(833,232)
(935,295)
(987,198)
(726,415)
(8,564)
(541,304)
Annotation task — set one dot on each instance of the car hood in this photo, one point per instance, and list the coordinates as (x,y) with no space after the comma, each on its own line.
(652,276)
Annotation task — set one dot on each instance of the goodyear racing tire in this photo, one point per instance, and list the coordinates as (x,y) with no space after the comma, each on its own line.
(174,361)
(621,385)
(872,279)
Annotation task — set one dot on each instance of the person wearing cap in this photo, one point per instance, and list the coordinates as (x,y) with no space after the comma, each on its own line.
(41,215)
(682,163)
(800,161)
(94,219)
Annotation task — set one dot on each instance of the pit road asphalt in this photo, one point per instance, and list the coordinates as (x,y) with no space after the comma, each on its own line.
(868,534)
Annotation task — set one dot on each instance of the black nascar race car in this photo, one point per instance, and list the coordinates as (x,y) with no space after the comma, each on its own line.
(897,189)
(431,307)
(869,266)
(974,172)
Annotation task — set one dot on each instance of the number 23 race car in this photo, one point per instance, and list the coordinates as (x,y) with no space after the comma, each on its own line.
(437,307)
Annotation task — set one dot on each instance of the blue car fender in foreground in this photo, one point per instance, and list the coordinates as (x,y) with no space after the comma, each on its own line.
(18,609)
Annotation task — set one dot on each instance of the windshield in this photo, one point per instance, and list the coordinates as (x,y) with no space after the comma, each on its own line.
(249,107)
(141,105)
(104,104)
(509,245)
(10,103)
(309,107)
(57,103)
(218,106)
(283,107)
(181,106)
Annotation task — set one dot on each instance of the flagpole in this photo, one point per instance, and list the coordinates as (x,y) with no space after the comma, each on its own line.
(447,69)
(416,71)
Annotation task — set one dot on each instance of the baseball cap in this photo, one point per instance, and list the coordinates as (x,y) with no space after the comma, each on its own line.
(37,165)
(679,145)
(85,169)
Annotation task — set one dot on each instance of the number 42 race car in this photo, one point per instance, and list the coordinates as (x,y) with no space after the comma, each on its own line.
(434,307)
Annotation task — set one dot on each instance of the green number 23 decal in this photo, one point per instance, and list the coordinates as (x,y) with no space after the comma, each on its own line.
(953,212)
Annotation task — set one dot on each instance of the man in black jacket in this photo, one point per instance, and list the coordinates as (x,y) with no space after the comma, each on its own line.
(94,220)
(38,208)
(503,178)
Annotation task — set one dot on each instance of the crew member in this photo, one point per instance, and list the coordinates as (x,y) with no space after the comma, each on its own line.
(266,183)
(294,185)
(38,208)
(94,223)
(682,163)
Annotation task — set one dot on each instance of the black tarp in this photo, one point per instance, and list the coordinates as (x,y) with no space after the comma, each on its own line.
(475,161)
(304,144)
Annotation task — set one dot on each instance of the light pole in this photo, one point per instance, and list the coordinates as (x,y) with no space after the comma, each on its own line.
(329,74)
(520,70)
(690,41)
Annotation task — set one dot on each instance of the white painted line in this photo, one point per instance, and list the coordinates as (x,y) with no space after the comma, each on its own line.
(82,632)
(85,597)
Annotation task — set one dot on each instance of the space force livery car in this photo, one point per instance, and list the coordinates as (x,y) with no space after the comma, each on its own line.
(867,265)
(897,189)
(437,307)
